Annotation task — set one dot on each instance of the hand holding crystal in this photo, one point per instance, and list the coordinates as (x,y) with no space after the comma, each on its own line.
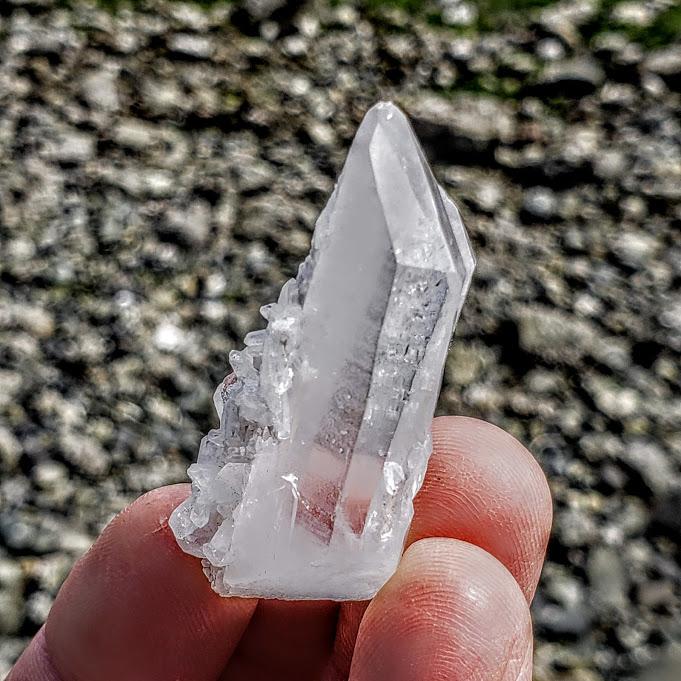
(305,490)
(137,608)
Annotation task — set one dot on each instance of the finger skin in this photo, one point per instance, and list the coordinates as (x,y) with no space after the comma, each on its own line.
(349,620)
(34,663)
(484,487)
(286,640)
(451,612)
(136,607)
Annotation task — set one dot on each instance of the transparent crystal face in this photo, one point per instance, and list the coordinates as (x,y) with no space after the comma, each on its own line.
(305,490)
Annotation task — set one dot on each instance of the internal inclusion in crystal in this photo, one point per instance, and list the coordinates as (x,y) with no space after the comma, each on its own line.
(305,490)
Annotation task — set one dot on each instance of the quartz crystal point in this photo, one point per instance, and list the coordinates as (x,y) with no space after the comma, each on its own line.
(305,490)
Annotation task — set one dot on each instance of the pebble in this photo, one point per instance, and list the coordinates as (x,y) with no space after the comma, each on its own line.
(262,9)
(11,613)
(191,45)
(665,62)
(608,578)
(190,225)
(10,449)
(540,203)
(100,89)
(134,134)
(72,147)
(571,78)
(653,464)
(465,122)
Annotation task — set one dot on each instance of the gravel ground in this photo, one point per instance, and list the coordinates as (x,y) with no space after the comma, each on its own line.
(160,173)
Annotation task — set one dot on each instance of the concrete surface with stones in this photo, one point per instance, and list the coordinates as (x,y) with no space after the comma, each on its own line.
(160,173)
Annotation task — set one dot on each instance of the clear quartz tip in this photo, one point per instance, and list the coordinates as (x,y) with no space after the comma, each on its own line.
(305,490)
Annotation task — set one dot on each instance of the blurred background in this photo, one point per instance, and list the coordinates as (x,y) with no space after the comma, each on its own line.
(161,168)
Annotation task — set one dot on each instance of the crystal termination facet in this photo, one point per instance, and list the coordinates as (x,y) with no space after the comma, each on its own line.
(305,490)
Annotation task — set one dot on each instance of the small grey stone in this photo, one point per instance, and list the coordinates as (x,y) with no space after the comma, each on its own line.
(162,96)
(489,195)
(35,319)
(613,399)
(11,382)
(262,9)
(665,62)
(653,464)
(561,621)
(11,612)
(554,335)
(72,146)
(24,531)
(635,248)
(10,449)
(462,124)
(564,18)
(563,608)
(550,49)
(539,203)
(191,45)
(569,78)
(633,13)
(610,164)
(38,606)
(190,225)
(156,183)
(84,453)
(295,46)
(575,527)
(459,13)
(133,133)
(100,89)
(11,576)
(255,175)
(607,578)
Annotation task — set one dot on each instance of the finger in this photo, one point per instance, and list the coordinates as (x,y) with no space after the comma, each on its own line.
(484,487)
(451,612)
(136,607)
(285,640)
(349,620)
(34,663)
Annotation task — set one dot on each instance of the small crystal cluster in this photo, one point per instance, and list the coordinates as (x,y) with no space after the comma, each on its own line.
(305,490)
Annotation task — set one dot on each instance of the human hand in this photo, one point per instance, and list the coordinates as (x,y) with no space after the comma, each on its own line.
(136,608)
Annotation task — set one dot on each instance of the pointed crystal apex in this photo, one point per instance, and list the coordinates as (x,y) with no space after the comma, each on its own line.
(306,490)
(424,224)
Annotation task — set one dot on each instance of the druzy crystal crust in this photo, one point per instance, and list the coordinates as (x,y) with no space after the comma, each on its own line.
(305,490)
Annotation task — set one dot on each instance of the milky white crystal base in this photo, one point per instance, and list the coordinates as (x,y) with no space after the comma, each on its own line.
(305,490)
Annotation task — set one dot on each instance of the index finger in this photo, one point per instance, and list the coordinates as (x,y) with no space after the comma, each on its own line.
(136,607)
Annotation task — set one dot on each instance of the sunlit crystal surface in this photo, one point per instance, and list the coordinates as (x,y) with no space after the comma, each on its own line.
(305,490)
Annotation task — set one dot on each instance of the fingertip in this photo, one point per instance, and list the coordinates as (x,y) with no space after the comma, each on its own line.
(473,581)
(451,611)
(491,442)
(484,487)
